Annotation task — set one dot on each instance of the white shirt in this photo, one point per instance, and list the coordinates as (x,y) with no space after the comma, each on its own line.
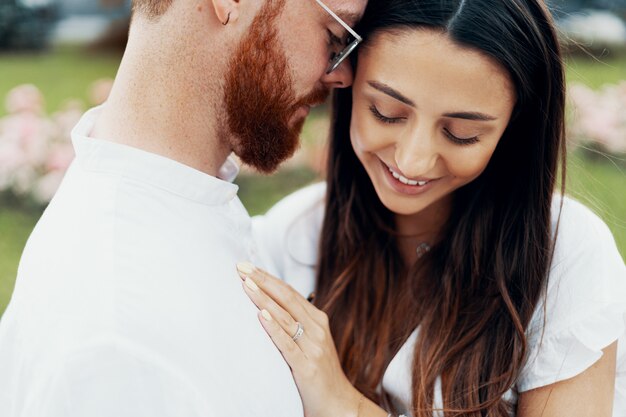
(127,301)
(586,295)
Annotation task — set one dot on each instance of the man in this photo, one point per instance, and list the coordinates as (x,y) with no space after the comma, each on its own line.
(127,301)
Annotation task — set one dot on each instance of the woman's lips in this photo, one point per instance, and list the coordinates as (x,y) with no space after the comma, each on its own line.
(404,185)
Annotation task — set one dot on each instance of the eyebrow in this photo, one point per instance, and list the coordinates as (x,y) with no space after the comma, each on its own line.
(384,88)
(470,116)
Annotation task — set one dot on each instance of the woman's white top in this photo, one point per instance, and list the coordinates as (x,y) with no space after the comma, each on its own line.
(585,302)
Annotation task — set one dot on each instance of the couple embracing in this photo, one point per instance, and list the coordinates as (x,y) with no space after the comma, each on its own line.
(438,270)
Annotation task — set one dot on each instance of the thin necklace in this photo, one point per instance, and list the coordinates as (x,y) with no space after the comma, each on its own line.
(422,249)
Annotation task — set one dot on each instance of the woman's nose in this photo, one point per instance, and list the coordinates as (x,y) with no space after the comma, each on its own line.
(416,155)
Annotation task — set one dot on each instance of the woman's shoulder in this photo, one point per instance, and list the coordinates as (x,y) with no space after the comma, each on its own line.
(573,223)
(299,204)
(585,252)
(587,270)
(289,232)
(583,309)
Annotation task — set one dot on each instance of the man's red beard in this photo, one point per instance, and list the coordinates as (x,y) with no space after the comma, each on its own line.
(260,98)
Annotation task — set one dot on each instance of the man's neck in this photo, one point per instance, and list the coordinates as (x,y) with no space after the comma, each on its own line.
(158,109)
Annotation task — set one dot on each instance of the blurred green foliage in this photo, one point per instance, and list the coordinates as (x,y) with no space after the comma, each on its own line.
(596,72)
(260,193)
(15,227)
(599,181)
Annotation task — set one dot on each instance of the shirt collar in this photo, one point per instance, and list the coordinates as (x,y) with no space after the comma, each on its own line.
(229,171)
(106,156)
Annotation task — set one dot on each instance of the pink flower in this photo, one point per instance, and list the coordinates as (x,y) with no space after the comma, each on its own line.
(599,116)
(46,186)
(31,133)
(24,98)
(66,119)
(11,159)
(60,157)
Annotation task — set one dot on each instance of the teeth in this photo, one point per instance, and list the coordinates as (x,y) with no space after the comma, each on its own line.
(405,180)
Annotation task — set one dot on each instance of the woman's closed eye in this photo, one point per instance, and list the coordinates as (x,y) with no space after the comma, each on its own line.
(385,119)
(458,140)
(449,135)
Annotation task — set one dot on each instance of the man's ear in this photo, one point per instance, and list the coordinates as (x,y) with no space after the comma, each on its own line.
(227,11)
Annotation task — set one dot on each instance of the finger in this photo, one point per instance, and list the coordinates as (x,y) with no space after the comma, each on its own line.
(280,290)
(273,283)
(264,302)
(288,348)
(313,319)
(287,297)
(266,280)
(307,340)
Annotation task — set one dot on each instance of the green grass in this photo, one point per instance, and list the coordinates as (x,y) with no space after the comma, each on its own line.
(600,183)
(596,72)
(259,194)
(63,74)
(15,227)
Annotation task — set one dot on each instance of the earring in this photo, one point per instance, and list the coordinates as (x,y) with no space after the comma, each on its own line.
(227,20)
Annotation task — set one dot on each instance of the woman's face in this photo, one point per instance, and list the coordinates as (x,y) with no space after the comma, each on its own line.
(427,116)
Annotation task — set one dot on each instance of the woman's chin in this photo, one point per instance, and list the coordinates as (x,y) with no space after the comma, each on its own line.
(399,204)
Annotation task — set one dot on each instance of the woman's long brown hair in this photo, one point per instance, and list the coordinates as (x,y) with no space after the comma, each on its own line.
(475,292)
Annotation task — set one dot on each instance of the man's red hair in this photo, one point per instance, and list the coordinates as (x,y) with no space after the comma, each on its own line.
(151,8)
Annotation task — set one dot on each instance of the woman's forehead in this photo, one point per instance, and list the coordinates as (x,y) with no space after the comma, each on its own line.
(426,65)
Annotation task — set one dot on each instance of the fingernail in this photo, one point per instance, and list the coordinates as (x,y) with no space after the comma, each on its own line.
(266,315)
(251,284)
(245,268)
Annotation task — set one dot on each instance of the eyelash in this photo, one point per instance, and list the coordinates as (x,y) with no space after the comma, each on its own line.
(384,119)
(459,141)
(450,136)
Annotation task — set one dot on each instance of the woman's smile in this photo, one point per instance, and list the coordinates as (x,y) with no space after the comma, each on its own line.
(404,185)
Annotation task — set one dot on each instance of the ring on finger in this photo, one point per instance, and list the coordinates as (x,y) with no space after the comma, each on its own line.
(299,332)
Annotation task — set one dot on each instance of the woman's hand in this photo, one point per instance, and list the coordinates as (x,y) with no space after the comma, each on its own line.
(323,386)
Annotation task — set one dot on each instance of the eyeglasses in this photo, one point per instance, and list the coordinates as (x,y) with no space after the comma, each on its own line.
(352,41)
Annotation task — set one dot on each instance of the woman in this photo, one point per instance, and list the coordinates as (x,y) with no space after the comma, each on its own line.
(452,279)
